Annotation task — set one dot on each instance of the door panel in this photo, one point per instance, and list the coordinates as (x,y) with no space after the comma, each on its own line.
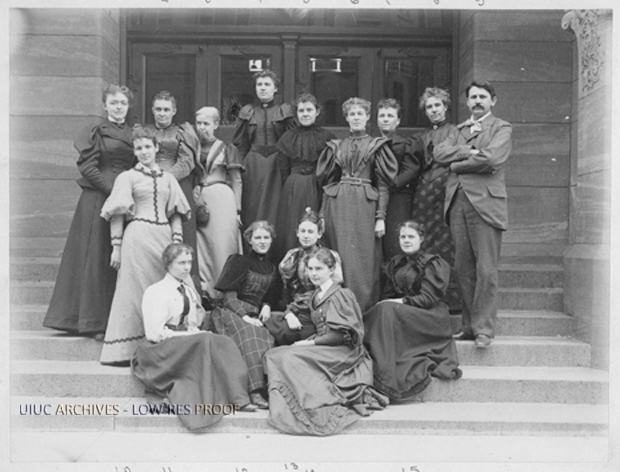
(197,75)
(333,75)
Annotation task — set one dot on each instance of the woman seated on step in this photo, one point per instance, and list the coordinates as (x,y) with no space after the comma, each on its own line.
(295,322)
(322,384)
(248,286)
(408,333)
(177,360)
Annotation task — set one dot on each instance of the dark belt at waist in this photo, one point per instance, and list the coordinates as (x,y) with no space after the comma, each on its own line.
(172,327)
(355,180)
(264,150)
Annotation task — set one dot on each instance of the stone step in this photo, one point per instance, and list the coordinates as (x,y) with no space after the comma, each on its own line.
(529,275)
(510,322)
(505,351)
(566,385)
(34,269)
(132,414)
(36,247)
(528,323)
(550,299)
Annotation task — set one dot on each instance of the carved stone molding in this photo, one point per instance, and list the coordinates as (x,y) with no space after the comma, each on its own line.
(585,24)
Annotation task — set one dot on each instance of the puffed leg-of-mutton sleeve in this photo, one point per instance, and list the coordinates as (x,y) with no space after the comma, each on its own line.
(386,170)
(410,166)
(89,145)
(187,153)
(241,138)
(434,285)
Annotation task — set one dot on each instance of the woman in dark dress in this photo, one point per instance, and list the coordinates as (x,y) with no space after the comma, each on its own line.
(257,131)
(177,362)
(430,186)
(356,174)
(248,286)
(85,283)
(399,208)
(408,333)
(298,152)
(295,323)
(322,384)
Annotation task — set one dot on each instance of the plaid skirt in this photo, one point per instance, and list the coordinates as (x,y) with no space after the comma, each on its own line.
(252,341)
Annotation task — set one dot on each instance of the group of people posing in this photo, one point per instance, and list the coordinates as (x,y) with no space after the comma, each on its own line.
(289,270)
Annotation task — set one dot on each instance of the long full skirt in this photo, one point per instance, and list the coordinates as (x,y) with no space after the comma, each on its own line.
(252,341)
(317,390)
(298,193)
(220,238)
(85,282)
(200,372)
(262,186)
(350,231)
(141,266)
(408,345)
(399,210)
(428,209)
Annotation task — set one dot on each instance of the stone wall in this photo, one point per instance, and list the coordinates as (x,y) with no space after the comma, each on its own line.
(528,58)
(586,259)
(60,61)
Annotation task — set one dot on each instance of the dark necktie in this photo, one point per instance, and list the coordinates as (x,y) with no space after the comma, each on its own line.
(181,289)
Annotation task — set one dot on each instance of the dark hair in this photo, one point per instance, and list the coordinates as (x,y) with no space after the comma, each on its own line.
(311,216)
(436,92)
(173,251)
(267,73)
(418,227)
(165,95)
(144,132)
(261,224)
(307,97)
(324,256)
(483,84)
(365,104)
(390,103)
(113,89)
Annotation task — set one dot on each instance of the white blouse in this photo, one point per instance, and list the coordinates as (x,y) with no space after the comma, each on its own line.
(162,304)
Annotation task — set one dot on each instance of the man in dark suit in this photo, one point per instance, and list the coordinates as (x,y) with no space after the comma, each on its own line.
(476,208)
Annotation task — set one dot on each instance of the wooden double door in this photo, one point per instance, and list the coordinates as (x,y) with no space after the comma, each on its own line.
(221,75)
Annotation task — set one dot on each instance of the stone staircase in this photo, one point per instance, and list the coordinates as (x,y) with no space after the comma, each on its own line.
(535,379)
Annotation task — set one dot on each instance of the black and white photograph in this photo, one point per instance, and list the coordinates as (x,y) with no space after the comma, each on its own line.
(310,235)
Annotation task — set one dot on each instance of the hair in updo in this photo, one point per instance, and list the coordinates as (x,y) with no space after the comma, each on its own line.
(173,251)
(269,74)
(144,132)
(355,101)
(307,98)
(261,224)
(435,92)
(324,256)
(311,216)
(113,89)
(167,96)
(414,225)
(390,103)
